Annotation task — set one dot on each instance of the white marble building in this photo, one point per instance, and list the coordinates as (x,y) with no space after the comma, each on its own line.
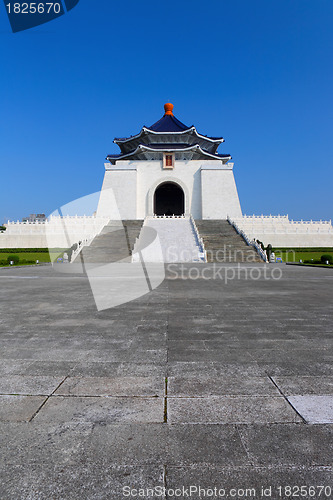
(166,169)
(169,168)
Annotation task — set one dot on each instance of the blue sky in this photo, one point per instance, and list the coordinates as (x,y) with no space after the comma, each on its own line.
(259,73)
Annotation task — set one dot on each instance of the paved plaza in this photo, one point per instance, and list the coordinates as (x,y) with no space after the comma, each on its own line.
(208,383)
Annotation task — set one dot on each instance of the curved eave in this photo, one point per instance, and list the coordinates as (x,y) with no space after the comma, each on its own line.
(142,148)
(145,130)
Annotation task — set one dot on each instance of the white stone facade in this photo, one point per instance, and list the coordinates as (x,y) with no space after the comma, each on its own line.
(57,232)
(279,231)
(209,188)
(165,169)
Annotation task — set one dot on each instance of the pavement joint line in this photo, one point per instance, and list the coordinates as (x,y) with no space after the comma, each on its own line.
(23,394)
(224,468)
(285,397)
(216,396)
(145,272)
(46,400)
(248,454)
(165,419)
(105,396)
(165,484)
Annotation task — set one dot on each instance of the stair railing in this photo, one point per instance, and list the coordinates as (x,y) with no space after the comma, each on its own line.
(169,216)
(84,243)
(200,241)
(249,242)
(136,243)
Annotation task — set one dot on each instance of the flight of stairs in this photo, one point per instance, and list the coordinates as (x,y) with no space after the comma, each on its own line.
(114,243)
(176,240)
(223,244)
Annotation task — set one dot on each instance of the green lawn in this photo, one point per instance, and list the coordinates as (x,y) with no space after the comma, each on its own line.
(28,258)
(25,258)
(297,254)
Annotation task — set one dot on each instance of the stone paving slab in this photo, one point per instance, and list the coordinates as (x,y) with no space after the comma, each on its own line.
(135,444)
(295,386)
(181,368)
(251,370)
(314,409)
(208,338)
(19,408)
(75,355)
(107,386)
(231,409)
(279,355)
(32,443)
(288,444)
(28,385)
(224,355)
(105,369)
(298,367)
(97,409)
(286,345)
(210,385)
(42,368)
(12,367)
(248,482)
(77,482)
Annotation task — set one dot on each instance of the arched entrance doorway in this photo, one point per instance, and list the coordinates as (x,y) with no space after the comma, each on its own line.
(169,199)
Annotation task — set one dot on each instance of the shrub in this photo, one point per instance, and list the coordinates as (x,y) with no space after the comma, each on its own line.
(13,258)
(24,250)
(325,258)
(32,250)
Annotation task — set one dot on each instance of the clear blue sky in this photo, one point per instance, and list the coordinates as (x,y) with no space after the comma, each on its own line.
(259,73)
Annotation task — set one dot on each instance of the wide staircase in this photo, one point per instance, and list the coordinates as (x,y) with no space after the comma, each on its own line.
(114,243)
(176,240)
(223,243)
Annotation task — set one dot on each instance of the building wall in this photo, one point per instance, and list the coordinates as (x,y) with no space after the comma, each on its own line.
(151,175)
(209,188)
(118,199)
(219,193)
(279,231)
(58,232)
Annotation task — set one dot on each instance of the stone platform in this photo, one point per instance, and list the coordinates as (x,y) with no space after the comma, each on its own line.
(217,382)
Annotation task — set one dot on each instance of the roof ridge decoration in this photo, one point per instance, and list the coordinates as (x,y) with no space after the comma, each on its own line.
(193,147)
(168,121)
(168,108)
(167,134)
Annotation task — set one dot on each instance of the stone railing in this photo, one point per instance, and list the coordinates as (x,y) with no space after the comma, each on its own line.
(282,219)
(84,243)
(281,225)
(200,242)
(251,243)
(54,218)
(167,216)
(274,224)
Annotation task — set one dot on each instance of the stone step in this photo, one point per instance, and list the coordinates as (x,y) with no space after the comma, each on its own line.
(114,243)
(223,244)
(175,241)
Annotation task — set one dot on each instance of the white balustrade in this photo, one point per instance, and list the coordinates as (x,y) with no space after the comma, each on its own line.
(252,243)
(200,241)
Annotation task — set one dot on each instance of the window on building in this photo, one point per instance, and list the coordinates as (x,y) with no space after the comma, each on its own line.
(168,161)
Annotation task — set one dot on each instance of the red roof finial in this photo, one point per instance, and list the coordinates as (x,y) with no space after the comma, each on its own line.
(168,107)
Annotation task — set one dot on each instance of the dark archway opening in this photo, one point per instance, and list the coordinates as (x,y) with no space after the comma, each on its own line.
(169,200)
